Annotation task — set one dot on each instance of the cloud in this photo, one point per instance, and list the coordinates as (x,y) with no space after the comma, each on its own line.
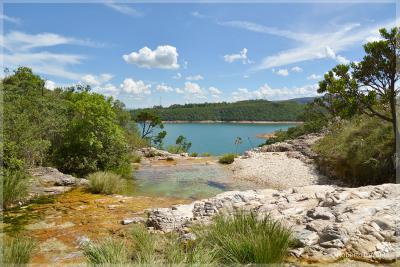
(164,88)
(267,92)
(331,54)
(179,91)
(281,72)
(310,46)
(195,78)
(193,88)
(93,80)
(10,19)
(21,49)
(296,69)
(214,90)
(177,76)
(234,57)
(163,57)
(124,9)
(50,85)
(108,90)
(131,86)
(198,15)
(314,77)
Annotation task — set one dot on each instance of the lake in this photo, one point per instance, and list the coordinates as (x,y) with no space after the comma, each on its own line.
(219,138)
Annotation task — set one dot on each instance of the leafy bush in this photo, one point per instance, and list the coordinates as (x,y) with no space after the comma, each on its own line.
(359,151)
(106,252)
(17,251)
(243,238)
(227,159)
(105,183)
(13,187)
(194,154)
(206,154)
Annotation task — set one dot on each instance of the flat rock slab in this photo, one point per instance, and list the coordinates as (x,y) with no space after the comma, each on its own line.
(330,222)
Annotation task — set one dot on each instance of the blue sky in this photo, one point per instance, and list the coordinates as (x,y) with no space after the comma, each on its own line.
(147,54)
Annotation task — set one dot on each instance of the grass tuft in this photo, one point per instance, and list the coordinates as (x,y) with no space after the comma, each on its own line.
(105,183)
(145,245)
(243,238)
(13,187)
(227,159)
(106,252)
(17,251)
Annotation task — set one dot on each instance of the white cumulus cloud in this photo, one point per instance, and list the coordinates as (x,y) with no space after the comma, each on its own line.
(50,85)
(193,88)
(281,72)
(163,57)
(215,91)
(314,77)
(131,86)
(242,55)
(164,88)
(296,69)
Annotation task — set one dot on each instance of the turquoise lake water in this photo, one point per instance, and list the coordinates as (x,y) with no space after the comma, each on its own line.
(219,138)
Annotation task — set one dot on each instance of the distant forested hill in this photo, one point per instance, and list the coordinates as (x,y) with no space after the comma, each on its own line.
(252,110)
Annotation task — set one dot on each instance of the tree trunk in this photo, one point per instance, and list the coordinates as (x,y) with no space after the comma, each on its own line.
(393,111)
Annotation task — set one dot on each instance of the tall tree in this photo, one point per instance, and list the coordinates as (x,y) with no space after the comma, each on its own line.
(148,123)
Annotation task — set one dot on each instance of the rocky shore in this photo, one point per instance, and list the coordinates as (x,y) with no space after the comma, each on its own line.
(281,165)
(330,223)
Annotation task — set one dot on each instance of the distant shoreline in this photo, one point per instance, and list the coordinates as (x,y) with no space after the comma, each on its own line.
(238,122)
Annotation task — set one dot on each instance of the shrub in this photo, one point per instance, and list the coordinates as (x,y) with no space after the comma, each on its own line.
(194,154)
(13,187)
(144,245)
(206,154)
(227,159)
(136,158)
(359,151)
(243,238)
(17,250)
(105,183)
(106,252)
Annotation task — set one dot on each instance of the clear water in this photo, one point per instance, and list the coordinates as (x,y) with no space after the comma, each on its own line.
(193,181)
(219,138)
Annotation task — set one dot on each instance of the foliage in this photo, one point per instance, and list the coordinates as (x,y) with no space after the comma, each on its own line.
(13,187)
(158,139)
(254,110)
(148,122)
(206,154)
(106,252)
(243,238)
(145,245)
(194,154)
(17,251)
(105,183)
(227,159)
(359,151)
(182,145)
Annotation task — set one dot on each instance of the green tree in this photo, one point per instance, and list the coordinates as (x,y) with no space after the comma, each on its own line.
(183,144)
(158,139)
(148,123)
(94,139)
(238,141)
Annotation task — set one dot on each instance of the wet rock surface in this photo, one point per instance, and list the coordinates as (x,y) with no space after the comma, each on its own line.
(330,223)
(50,181)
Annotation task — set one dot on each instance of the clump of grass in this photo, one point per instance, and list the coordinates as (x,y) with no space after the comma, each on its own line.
(187,253)
(206,154)
(145,245)
(13,187)
(105,183)
(194,154)
(136,158)
(227,159)
(17,251)
(106,252)
(243,238)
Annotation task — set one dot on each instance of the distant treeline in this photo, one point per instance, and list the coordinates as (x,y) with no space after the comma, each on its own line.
(249,110)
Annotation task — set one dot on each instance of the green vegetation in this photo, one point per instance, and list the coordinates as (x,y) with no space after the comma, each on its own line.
(227,158)
(254,110)
(182,145)
(106,252)
(358,109)
(206,154)
(358,151)
(194,154)
(243,238)
(105,183)
(17,251)
(13,187)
